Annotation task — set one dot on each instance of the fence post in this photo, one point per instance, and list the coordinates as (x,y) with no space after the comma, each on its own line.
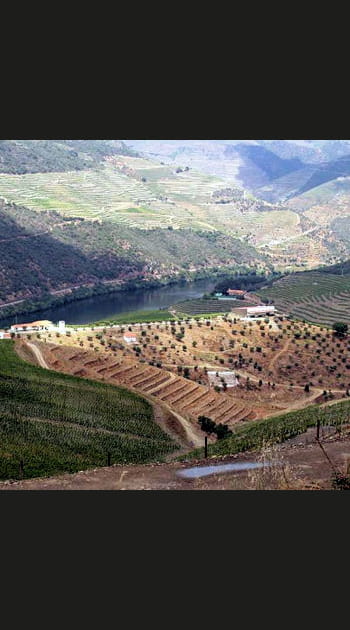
(108,459)
(21,469)
(205,447)
(318,429)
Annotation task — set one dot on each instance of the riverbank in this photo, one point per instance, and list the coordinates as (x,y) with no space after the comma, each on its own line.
(107,303)
(62,297)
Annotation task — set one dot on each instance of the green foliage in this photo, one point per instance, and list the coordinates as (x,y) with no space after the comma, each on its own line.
(59,423)
(260,433)
(209,426)
(135,317)
(340,328)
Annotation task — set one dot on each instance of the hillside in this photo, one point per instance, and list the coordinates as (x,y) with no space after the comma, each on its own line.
(45,252)
(110,216)
(57,423)
(322,297)
(274,170)
(42,156)
(143,193)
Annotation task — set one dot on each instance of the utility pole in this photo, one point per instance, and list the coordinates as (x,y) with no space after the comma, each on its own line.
(205,447)
(108,459)
(318,429)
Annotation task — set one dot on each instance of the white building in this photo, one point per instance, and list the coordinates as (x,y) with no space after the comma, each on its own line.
(259,311)
(43,324)
(130,338)
(228,376)
(61,326)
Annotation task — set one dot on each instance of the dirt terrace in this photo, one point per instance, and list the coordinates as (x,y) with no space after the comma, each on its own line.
(273,359)
(183,397)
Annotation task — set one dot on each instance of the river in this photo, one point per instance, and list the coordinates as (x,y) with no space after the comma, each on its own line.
(107,306)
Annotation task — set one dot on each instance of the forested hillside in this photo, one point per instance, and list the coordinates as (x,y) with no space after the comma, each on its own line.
(41,156)
(45,252)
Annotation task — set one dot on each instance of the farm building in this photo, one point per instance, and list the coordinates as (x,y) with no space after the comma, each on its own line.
(236,293)
(254,311)
(130,338)
(4,335)
(217,378)
(43,324)
(61,326)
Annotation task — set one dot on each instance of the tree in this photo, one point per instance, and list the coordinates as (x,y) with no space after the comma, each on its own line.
(340,328)
(307,388)
(222,431)
(207,424)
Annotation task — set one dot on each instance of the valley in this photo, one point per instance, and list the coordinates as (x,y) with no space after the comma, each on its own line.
(173,242)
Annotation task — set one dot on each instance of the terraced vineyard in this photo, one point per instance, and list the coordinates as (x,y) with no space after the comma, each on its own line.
(209,306)
(58,423)
(182,395)
(94,193)
(204,306)
(321,298)
(107,193)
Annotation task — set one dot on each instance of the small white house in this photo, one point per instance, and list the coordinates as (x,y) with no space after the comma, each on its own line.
(130,338)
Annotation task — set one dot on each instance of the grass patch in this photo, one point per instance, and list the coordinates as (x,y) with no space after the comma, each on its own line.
(135,317)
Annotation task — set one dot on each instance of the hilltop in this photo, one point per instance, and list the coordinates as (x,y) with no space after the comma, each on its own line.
(42,156)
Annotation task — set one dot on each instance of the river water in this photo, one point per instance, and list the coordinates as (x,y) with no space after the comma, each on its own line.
(107,306)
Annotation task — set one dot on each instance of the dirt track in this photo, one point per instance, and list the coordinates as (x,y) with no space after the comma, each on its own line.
(304,468)
(38,355)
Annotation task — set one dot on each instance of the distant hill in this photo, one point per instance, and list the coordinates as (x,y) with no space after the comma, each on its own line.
(327,172)
(273,170)
(267,161)
(41,156)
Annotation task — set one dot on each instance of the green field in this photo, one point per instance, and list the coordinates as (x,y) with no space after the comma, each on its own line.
(135,317)
(58,423)
(261,433)
(320,298)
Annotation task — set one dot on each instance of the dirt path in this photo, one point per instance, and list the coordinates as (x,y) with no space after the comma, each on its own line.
(38,355)
(304,468)
(278,354)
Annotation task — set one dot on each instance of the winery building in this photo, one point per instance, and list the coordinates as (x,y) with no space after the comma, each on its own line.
(43,324)
(254,311)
